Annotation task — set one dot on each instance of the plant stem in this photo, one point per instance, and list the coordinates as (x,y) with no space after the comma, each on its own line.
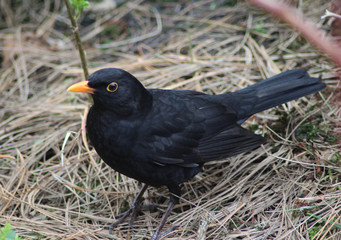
(78,39)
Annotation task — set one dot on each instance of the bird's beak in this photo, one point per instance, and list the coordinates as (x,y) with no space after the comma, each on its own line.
(81,87)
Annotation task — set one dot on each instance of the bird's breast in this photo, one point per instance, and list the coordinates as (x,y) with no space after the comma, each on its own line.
(113,138)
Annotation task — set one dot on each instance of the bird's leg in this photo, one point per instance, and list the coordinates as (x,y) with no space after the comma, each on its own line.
(132,211)
(148,207)
(174,199)
(163,221)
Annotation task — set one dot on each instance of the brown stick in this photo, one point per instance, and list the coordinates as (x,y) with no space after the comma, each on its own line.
(78,39)
(307,29)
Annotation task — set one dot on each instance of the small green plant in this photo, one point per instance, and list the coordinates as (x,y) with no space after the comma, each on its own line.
(332,139)
(280,125)
(314,230)
(79,6)
(253,127)
(75,8)
(336,158)
(259,27)
(7,233)
(309,130)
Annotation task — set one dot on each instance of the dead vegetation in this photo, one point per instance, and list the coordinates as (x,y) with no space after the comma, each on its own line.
(54,186)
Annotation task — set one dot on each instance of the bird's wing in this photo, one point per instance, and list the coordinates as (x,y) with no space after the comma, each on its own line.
(192,131)
(232,141)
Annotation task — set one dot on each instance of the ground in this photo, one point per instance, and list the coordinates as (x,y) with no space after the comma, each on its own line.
(54,186)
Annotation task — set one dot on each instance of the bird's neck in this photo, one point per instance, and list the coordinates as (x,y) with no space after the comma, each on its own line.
(126,108)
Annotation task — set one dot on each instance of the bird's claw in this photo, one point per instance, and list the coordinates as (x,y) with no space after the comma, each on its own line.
(135,207)
(156,236)
(132,212)
(122,216)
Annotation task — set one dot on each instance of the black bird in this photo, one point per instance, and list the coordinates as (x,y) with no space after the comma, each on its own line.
(163,137)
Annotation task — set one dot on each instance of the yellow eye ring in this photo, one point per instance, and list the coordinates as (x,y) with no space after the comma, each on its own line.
(112,87)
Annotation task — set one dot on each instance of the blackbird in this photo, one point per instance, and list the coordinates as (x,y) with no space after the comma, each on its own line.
(163,137)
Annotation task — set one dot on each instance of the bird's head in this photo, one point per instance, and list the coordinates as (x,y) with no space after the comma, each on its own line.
(116,90)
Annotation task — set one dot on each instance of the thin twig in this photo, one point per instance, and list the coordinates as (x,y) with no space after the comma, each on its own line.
(78,39)
(308,30)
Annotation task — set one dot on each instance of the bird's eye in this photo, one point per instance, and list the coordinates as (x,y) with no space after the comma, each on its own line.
(112,87)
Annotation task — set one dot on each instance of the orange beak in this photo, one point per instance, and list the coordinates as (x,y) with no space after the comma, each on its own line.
(81,87)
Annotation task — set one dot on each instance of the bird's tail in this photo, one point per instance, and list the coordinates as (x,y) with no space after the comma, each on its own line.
(274,91)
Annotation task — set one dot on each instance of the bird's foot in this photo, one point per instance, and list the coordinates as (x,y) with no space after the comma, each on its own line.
(132,212)
(158,235)
(148,207)
(134,209)
(122,217)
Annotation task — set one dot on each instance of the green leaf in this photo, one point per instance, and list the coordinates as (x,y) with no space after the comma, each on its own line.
(335,224)
(79,5)
(7,233)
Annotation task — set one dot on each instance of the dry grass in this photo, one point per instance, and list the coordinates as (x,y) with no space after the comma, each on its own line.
(54,186)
